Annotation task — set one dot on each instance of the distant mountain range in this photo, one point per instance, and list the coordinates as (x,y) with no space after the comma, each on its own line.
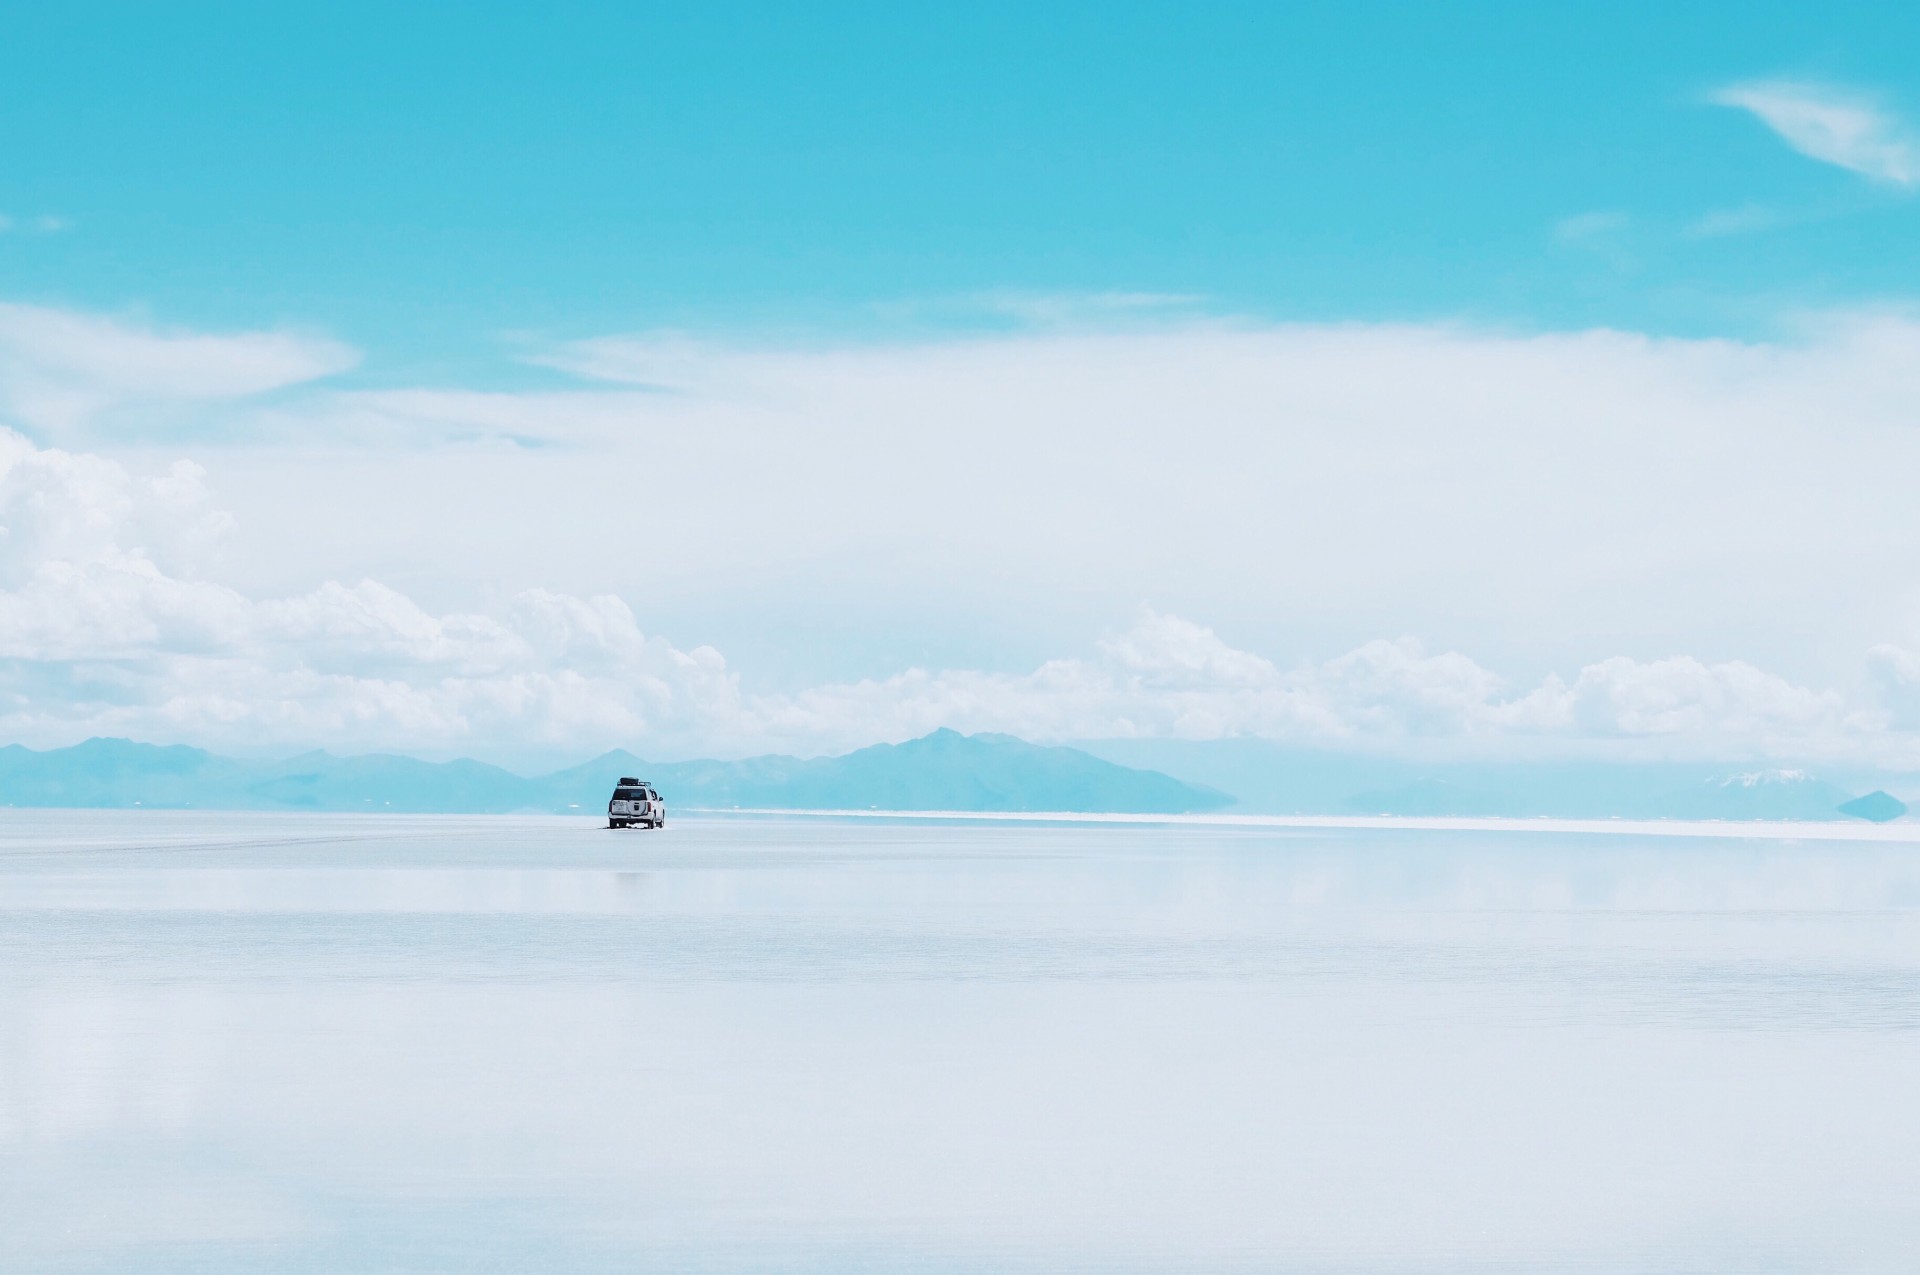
(1269,777)
(942,771)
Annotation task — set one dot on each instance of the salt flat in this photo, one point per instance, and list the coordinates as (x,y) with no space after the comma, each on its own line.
(325,1043)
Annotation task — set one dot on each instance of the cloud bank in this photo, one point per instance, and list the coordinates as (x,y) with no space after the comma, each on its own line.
(1339,486)
(106,626)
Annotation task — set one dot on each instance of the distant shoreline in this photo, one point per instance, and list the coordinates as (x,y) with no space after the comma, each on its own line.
(1732,829)
(1906,831)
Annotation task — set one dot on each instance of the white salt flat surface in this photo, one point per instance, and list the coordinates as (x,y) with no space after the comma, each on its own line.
(343,1043)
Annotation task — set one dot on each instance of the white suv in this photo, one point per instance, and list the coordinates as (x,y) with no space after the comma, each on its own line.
(636,804)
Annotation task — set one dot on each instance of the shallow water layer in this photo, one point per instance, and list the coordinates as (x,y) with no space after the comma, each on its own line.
(332,1043)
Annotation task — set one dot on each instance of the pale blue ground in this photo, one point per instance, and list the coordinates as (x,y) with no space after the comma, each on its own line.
(331,1043)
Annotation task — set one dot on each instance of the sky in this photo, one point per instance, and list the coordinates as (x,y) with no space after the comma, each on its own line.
(1484,379)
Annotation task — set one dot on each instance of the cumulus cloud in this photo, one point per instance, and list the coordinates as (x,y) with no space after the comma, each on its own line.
(1169,677)
(1728,702)
(1895,671)
(1576,486)
(1299,472)
(61,370)
(1832,126)
(106,625)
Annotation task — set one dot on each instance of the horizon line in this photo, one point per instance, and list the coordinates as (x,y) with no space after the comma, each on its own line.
(1850,829)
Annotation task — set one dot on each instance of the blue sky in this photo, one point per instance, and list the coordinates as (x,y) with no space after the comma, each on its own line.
(1466,378)
(422,182)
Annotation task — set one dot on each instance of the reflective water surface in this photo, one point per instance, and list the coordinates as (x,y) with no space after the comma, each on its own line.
(330,1043)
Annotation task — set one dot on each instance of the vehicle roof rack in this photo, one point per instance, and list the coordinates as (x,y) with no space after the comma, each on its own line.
(627,781)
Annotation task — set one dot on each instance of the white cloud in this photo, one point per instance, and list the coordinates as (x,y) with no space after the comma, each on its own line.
(1832,126)
(60,371)
(1896,676)
(1539,501)
(1732,703)
(1168,677)
(106,626)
